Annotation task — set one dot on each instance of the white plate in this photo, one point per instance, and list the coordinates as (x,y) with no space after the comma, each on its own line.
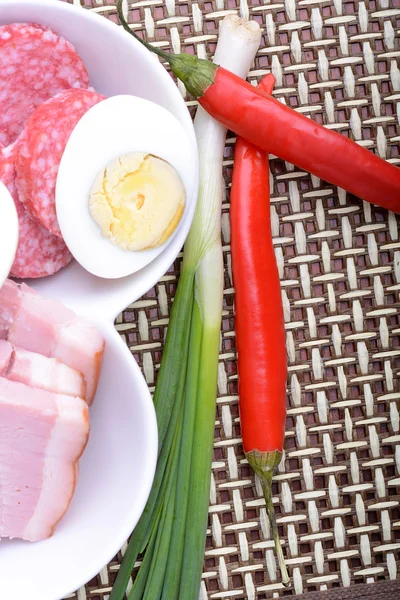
(116,473)
(118,465)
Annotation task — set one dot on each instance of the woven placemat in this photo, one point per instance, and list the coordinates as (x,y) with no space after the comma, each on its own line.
(337,492)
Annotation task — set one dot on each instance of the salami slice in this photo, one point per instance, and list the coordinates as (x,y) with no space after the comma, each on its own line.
(35,65)
(39,253)
(40,148)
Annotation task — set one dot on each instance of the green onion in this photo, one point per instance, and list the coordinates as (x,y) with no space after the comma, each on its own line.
(172,529)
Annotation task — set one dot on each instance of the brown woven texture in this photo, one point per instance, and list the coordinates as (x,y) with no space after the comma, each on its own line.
(337,491)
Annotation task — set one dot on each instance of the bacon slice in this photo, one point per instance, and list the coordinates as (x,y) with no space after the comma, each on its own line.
(38,371)
(6,351)
(42,436)
(47,327)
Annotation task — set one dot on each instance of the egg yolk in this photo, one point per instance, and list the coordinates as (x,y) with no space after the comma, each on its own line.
(137,201)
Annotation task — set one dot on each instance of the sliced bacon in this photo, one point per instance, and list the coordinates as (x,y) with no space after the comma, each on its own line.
(47,327)
(42,436)
(38,371)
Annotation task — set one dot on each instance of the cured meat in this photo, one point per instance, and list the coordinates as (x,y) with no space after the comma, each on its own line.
(7,169)
(39,253)
(6,351)
(38,371)
(35,65)
(47,327)
(82,349)
(45,373)
(40,148)
(10,301)
(42,436)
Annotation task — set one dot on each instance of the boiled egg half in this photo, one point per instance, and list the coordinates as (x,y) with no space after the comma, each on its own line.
(8,232)
(127,182)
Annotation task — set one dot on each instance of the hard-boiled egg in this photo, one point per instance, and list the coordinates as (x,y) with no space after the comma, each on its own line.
(126,182)
(8,232)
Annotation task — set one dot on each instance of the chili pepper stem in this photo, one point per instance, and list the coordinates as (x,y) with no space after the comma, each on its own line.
(264,465)
(196,73)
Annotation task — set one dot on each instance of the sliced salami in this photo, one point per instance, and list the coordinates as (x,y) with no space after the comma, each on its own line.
(35,65)
(40,148)
(39,253)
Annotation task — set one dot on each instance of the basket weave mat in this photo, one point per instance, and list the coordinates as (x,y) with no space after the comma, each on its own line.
(337,492)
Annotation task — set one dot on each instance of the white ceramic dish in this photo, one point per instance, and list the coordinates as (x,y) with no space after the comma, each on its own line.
(118,465)
(8,232)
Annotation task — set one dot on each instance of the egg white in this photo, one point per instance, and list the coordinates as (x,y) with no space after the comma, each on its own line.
(116,126)
(8,232)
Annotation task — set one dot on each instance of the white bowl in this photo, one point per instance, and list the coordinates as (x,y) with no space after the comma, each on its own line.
(118,465)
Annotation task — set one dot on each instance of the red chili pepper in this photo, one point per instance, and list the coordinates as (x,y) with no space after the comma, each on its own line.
(259,322)
(280,130)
